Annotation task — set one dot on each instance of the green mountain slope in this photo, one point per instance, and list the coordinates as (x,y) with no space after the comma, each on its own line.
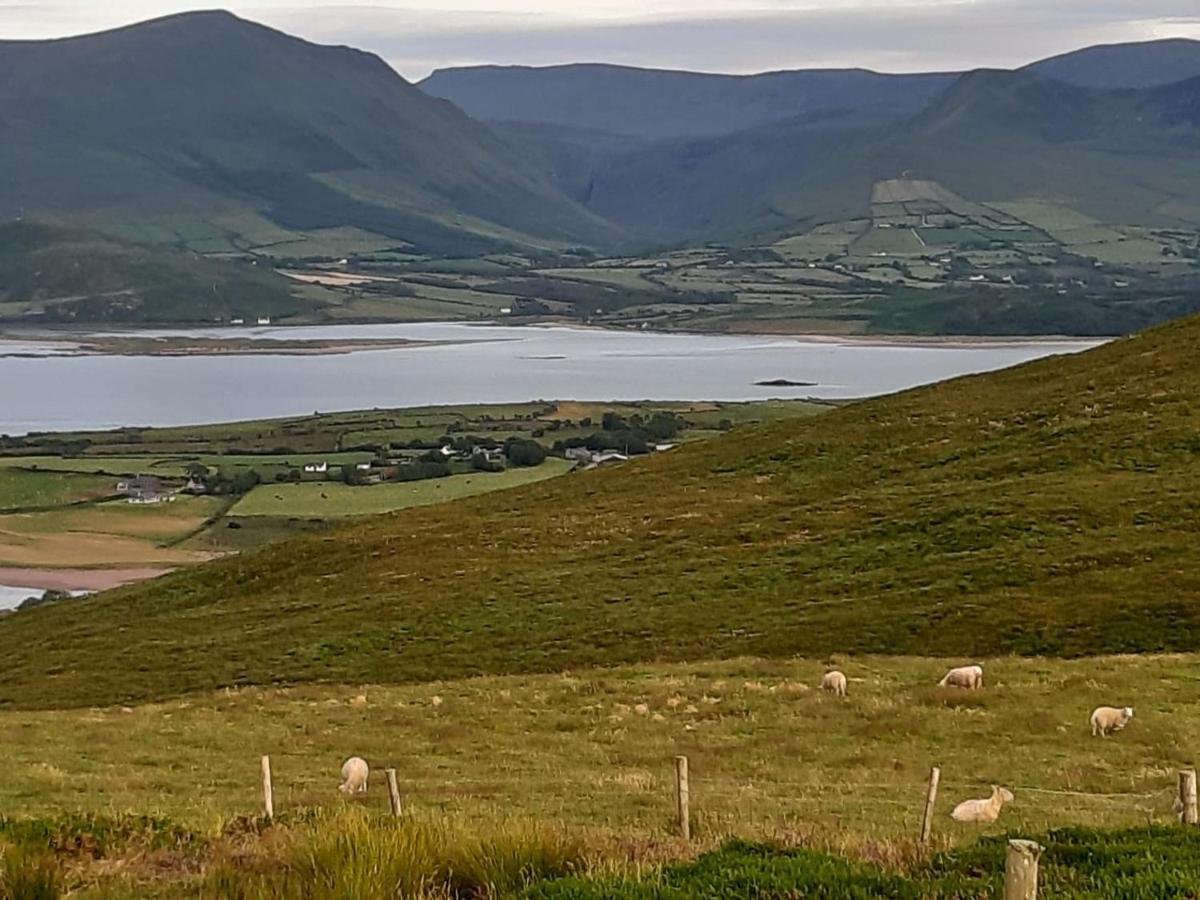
(1121,156)
(1129,157)
(211,132)
(1133,65)
(1049,509)
(58,275)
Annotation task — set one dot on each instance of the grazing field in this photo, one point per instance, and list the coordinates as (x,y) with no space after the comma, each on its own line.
(106,534)
(21,489)
(325,500)
(594,748)
(583,762)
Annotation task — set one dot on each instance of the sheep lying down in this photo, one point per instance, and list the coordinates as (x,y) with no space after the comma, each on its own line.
(983,810)
(354,776)
(1109,719)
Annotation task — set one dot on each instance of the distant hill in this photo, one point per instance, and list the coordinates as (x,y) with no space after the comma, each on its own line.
(1133,65)
(1129,156)
(211,132)
(1121,156)
(653,104)
(60,276)
(1046,509)
(679,156)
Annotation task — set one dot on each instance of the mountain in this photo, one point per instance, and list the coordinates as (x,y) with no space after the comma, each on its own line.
(1128,156)
(654,104)
(1133,65)
(678,157)
(1046,509)
(211,132)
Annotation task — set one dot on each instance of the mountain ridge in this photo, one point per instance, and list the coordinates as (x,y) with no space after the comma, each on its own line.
(300,135)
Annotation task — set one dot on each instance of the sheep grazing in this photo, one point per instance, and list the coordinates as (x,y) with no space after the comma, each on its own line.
(834,682)
(983,810)
(969,677)
(354,776)
(1107,719)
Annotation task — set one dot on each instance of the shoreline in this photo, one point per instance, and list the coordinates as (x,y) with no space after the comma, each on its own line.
(76,341)
(90,580)
(181,346)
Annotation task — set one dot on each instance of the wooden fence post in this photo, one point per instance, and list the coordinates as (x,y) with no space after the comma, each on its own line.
(393,791)
(935,776)
(268,793)
(1021,870)
(1188,813)
(681,787)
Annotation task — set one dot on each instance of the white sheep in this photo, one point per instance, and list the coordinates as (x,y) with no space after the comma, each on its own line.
(1107,719)
(834,682)
(983,810)
(970,677)
(354,776)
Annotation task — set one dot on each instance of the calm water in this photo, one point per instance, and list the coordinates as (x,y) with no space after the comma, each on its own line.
(484,364)
(11,597)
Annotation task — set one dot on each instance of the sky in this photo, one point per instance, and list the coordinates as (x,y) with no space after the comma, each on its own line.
(741,36)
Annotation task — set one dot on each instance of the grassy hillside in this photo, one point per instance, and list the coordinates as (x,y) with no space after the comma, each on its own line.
(59,275)
(228,135)
(1045,509)
(1133,65)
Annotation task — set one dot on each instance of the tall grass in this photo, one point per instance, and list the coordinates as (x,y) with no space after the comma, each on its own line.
(29,874)
(356,856)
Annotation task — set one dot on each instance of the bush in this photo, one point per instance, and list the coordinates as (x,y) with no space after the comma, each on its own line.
(741,870)
(356,855)
(524,453)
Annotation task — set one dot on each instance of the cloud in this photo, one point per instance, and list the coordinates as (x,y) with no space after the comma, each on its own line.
(708,35)
(890,36)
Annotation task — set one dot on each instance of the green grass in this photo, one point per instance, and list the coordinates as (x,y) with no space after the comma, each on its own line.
(24,489)
(330,499)
(1075,864)
(593,748)
(964,518)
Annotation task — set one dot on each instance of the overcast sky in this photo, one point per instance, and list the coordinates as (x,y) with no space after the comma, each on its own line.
(417,36)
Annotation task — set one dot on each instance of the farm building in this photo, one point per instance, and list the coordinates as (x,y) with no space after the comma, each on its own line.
(142,489)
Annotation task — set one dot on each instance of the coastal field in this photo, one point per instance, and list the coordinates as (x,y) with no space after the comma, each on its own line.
(59,503)
(582,764)
(594,748)
(531,662)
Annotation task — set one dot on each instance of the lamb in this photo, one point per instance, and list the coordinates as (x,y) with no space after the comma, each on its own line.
(983,810)
(354,776)
(834,682)
(1107,719)
(969,677)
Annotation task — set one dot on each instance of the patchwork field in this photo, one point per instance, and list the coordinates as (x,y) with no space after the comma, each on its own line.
(115,534)
(52,485)
(326,500)
(34,490)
